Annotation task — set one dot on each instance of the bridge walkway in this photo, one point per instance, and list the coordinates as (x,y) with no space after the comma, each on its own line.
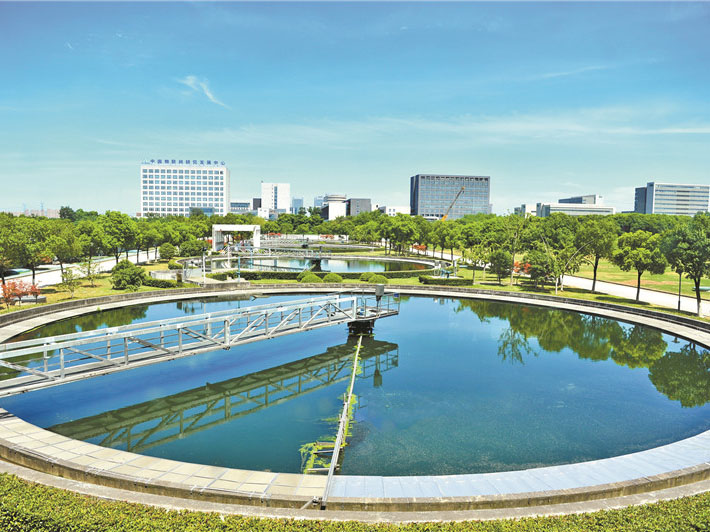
(44,362)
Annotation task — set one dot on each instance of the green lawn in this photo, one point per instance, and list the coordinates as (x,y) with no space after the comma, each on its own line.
(666,282)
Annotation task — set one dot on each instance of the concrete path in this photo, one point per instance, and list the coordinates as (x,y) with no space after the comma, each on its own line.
(654,297)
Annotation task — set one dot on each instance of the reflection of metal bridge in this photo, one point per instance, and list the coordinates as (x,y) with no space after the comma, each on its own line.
(44,362)
(139,427)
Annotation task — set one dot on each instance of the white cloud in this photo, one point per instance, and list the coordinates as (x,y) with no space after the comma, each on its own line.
(202,86)
(572,72)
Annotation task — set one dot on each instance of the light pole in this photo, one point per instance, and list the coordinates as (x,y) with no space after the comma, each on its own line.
(204,275)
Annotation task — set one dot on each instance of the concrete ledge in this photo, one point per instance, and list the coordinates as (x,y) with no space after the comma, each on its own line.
(680,463)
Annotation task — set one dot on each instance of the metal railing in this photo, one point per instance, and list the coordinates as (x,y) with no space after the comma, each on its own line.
(43,362)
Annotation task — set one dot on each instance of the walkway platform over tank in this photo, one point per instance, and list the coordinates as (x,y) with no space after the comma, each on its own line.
(44,362)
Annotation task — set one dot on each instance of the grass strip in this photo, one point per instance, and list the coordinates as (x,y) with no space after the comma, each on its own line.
(25,506)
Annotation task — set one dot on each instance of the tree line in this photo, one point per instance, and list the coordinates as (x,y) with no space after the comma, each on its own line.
(546,249)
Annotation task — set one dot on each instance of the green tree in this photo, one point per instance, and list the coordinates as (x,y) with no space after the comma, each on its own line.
(500,263)
(89,269)
(7,251)
(119,232)
(404,231)
(70,281)
(191,248)
(67,213)
(64,242)
(640,251)
(687,248)
(167,251)
(597,239)
(30,244)
(91,238)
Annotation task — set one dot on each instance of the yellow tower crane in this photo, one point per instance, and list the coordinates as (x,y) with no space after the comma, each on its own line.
(446,215)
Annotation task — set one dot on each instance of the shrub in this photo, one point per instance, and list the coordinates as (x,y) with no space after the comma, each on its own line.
(220,276)
(365,276)
(378,279)
(167,251)
(332,278)
(161,283)
(302,275)
(127,276)
(311,277)
(425,279)
(174,265)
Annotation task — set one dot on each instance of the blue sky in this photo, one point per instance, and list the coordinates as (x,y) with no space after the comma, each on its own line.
(549,99)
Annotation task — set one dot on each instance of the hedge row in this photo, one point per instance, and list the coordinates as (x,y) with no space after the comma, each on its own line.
(28,507)
(426,279)
(292,276)
(162,283)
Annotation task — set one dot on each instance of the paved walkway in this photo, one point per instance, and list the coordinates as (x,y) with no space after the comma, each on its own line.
(654,297)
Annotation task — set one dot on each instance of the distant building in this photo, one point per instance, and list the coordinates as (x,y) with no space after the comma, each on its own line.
(672,198)
(256,203)
(334,206)
(357,205)
(296,205)
(431,195)
(276,196)
(318,202)
(640,200)
(47,213)
(544,210)
(394,210)
(240,207)
(170,186)
(589,199)
(526,209)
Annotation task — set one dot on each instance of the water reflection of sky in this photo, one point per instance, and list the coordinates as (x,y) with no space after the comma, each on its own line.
(470,386)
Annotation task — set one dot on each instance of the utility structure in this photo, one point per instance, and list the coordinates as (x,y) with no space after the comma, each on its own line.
(45,362)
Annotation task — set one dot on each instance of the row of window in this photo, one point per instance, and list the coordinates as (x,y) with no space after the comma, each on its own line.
(163,187)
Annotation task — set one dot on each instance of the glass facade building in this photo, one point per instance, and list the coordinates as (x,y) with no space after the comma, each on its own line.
(173,187)
(431,195)
(671,198)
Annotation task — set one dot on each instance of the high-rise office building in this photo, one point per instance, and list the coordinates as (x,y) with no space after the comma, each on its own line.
(672,198)
(170,186)
(431,195)
(276,196)
(318,202)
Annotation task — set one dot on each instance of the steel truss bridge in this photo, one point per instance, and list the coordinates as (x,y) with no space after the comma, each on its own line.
(140,427)
(44,362)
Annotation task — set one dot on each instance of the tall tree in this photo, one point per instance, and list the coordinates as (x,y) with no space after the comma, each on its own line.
(7,252)
(687,248)
(119,232)
(640,251)
(64,242)
(596,239)
(30,243)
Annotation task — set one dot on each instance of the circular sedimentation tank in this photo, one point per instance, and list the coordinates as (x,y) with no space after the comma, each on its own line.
(452,387)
